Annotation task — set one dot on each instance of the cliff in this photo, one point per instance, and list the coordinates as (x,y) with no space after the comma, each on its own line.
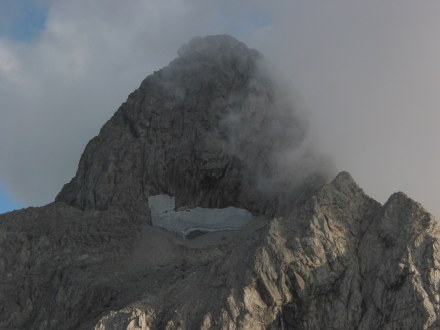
(210,132)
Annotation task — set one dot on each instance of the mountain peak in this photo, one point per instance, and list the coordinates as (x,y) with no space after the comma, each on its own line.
(215,46)
(192,209)
(210,129)
(344,178)
(345,183)
(402,211)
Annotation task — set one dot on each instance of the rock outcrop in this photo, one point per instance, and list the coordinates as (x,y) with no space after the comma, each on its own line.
(209,131)
(342,261)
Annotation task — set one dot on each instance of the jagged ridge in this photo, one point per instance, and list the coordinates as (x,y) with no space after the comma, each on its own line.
(340,261)
(317,257)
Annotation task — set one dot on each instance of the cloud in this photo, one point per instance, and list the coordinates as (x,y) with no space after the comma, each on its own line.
(368,73)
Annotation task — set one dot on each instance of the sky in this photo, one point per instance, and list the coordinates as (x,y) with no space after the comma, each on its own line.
(366,72)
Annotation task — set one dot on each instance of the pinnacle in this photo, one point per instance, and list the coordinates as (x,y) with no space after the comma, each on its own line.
(344,180)
(215,46)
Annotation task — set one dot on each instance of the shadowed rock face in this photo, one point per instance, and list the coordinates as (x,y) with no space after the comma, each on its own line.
(209,129)
(340,261)
(331,258)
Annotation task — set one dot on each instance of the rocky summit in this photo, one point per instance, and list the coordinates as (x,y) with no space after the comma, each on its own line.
(211,146)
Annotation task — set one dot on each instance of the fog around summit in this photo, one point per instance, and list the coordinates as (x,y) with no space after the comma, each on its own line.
(367,74)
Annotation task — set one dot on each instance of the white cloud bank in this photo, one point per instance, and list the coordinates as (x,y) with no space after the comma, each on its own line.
(369,73)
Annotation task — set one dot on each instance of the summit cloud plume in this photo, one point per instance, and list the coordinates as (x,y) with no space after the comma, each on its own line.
(367,73)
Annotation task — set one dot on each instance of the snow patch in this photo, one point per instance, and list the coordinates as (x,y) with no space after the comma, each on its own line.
(164,215)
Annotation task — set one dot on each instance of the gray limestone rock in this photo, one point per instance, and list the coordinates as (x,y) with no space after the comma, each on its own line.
(339,261)
(208,130)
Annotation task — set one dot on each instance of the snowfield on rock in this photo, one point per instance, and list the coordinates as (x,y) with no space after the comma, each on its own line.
(185,222)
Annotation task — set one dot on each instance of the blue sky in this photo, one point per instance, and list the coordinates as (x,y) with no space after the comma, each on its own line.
(22,19)
(6,203)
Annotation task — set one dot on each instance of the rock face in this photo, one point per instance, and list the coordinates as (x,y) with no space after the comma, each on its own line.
(317,256)
(209,129)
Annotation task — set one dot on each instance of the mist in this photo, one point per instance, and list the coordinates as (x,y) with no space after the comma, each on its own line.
(366,74)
